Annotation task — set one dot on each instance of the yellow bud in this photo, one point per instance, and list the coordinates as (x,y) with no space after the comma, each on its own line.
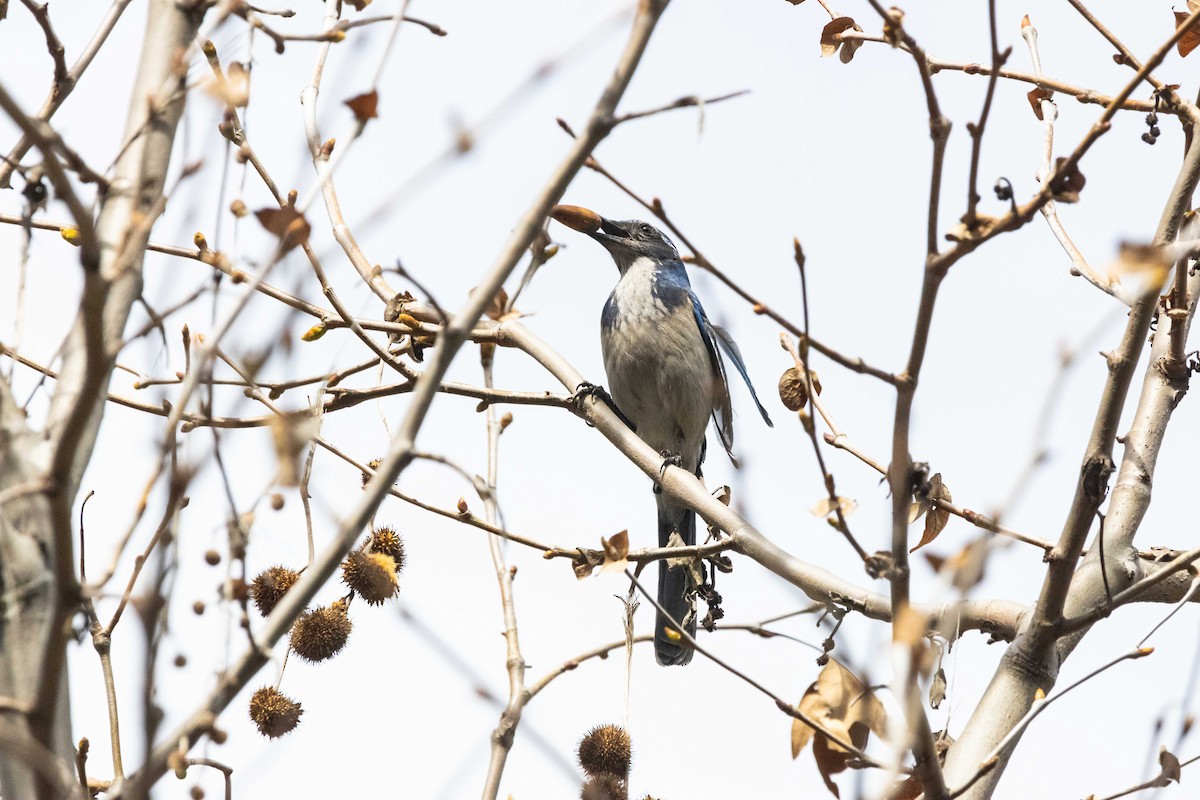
(314,333)
(72,235)
(200,241)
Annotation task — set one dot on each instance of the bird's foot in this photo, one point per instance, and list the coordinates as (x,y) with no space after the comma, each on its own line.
(669,460)
(588,388)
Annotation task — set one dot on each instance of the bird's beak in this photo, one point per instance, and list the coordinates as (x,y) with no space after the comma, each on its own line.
(609,231)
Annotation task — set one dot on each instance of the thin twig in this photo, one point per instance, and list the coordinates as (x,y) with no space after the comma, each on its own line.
(510,718)
(976,130)
(900,471)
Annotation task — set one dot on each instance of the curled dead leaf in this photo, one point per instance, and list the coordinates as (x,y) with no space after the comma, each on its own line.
(1169,768)
(365,106)
(1190,40)
(967,565)
(850,47)
(237,85)
(937,689)
(826,506)
(830,42)
(291,434)
(286,223)
(616,551)
(1146,263)
(936,517)
(842,705)
(1035,97)
(1066,185)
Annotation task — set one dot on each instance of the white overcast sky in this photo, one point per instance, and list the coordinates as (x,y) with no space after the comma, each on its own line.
(837,155)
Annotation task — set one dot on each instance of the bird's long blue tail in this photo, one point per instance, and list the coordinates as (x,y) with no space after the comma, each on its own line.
(672,587)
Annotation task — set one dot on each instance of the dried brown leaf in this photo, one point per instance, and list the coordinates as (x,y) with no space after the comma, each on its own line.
(908,789)
(967,565)
(616,551)
(850,47)
(1169,766)
(495,309)
(1146,263)
(937,689)
(936,518)
(829,34)
(1066,186)
(838,701)
(1036,96)
(826,505)
(237,85)
(365,106)
(1190,40)
(286,223)
(586,563)
(910,627)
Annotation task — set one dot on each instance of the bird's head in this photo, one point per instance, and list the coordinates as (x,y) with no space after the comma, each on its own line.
(625,240)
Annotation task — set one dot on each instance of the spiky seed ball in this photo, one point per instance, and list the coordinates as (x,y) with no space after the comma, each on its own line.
(268,587)
(374,465)
(372,576)
(321,633)
(273,712)
(605,750)
(385,540)
(604,787)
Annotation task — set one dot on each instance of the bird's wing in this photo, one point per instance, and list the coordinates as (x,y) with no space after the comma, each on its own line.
(722,407)
(735,355)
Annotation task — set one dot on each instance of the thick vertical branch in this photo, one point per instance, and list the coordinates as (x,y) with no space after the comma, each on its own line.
(110,289)
(900,471)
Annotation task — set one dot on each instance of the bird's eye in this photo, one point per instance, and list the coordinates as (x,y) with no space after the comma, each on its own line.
(645,230)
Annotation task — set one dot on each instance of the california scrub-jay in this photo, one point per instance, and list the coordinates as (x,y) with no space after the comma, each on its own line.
(666,377)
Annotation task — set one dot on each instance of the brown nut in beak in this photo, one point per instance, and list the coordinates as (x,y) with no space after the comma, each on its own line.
(577,218)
